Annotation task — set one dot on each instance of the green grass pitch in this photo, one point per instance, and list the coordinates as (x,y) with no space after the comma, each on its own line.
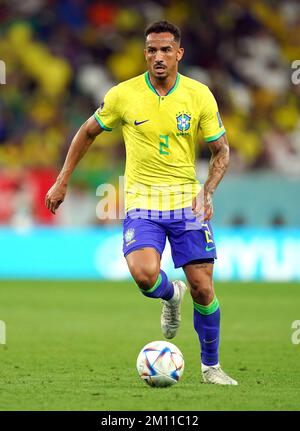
(73,346)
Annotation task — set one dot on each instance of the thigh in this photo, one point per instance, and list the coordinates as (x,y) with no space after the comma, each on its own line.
(191,241)
(143,233)
(144,264)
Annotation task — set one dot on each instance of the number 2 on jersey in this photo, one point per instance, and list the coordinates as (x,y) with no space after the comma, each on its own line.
(164,144)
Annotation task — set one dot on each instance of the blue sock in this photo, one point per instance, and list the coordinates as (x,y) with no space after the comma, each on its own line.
(163,288)
(207,326)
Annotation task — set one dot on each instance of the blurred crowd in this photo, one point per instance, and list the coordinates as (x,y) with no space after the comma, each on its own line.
(62,56)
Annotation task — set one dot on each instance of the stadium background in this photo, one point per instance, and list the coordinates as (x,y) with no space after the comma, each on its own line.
(62,56)
(74,320)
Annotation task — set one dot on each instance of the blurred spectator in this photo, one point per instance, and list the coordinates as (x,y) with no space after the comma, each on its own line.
(238,220)
(79,208)
(278,220)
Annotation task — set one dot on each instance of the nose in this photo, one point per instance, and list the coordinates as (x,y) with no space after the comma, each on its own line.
(158,56)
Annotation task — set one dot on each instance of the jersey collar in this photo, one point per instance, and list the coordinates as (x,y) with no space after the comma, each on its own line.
(147,78)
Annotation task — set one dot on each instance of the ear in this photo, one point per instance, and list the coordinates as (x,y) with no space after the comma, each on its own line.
(179,54)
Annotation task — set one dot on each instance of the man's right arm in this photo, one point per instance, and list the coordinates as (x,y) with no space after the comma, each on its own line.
(79,146)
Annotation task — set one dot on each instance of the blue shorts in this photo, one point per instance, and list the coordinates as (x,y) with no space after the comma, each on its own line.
(190,239)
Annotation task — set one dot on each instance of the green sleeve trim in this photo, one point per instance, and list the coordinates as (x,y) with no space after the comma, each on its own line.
(157,283)
(97,118)
(213,138)
(207,309)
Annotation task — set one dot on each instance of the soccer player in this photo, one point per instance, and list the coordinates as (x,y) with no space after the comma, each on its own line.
(161,112)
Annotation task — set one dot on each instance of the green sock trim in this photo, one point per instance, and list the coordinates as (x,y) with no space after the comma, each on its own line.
(157,283)
(207,309)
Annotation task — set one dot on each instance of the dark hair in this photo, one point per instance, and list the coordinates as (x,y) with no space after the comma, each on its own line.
(164,27)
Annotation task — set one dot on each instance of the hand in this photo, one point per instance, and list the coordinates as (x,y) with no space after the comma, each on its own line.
(55,196)
(202,205)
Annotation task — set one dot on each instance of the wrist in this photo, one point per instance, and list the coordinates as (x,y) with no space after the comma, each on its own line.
(63,179)
(208,190)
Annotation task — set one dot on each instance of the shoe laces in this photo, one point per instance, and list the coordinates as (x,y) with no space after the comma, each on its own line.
(170,310)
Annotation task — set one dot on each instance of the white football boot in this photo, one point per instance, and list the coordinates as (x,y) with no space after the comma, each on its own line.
(170,316)
(216,375)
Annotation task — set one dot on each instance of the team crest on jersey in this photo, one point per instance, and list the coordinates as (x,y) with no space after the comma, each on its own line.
(183,121)
(129,234)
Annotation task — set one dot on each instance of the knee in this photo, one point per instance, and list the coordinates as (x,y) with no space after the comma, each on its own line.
(145,276)
(202,289)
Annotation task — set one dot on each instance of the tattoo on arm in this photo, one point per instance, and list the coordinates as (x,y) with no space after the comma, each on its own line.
(218,163)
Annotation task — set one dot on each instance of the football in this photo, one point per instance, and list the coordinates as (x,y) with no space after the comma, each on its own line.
(160,364)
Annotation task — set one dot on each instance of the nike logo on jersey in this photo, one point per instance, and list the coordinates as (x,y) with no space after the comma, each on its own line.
(209,248)
(137,123)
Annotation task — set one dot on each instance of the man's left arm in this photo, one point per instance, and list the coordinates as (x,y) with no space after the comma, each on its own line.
(203,203)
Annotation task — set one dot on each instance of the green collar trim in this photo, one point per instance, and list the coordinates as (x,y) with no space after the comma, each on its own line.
(175,85)
(149,83)
(147,78)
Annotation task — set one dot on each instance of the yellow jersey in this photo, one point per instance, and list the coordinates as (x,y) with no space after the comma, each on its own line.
(160,134)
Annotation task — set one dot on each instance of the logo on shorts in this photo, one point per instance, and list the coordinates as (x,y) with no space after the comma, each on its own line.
(183,121)
(208,248)
(129,235)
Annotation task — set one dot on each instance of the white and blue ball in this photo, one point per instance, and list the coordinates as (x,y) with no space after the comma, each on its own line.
(160,364)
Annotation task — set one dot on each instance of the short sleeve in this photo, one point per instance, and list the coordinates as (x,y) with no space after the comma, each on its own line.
(108,115)
(210,119)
